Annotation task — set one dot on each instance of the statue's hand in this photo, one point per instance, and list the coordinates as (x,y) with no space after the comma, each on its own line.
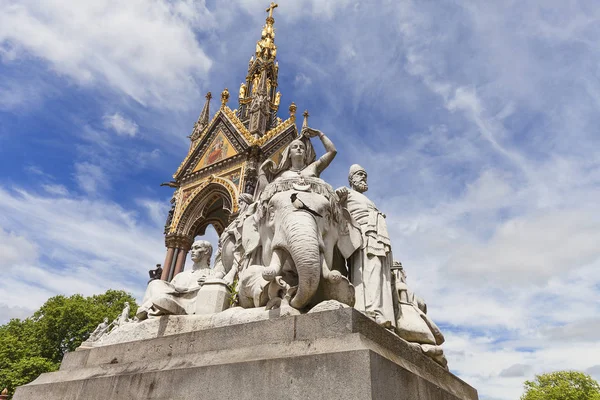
(342,193)
(310,132)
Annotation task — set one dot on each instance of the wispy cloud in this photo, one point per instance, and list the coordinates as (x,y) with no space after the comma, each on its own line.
(58,190)
(90,178)
(72,246)
(120,124)
(147,50)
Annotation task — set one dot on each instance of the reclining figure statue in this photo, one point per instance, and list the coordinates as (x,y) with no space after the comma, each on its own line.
(178,297)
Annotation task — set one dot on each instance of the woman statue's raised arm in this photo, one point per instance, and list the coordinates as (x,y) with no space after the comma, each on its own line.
(326,159)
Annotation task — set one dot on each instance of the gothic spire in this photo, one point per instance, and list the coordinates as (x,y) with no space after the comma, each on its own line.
(203,119)
(258,97)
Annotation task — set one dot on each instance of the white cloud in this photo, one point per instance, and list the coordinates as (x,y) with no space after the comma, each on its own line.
(88,246)
(120,124)
(301,80)
(9,312)
(90,178)
(15,249)
(516,371)
(145,49)
(36,170)
(157,210)
(58,190)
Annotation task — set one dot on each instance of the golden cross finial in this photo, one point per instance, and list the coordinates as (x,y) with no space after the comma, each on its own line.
(271,8)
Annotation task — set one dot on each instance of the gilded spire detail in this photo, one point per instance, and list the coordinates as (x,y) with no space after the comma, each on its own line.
(265,47)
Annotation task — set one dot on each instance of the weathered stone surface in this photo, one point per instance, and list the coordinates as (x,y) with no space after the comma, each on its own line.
(177,324)
(214,297)
(337,354)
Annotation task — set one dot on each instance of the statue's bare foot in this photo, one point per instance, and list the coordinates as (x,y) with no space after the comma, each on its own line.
(335,276)
(387,324)
(269,273)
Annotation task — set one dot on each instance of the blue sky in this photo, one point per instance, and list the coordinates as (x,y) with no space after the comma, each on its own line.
(477,122)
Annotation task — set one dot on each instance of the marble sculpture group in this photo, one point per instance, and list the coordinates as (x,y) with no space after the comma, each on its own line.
(297,243)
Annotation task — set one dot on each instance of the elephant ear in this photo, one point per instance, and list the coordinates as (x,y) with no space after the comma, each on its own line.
(250,235)
(350,238)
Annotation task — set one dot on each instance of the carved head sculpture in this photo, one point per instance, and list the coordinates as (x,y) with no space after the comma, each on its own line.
(201,251)
(299,154)
(357,177)
(106,320)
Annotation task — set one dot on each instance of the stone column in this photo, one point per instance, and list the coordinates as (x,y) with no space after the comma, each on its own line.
(178,247)
(167,264)
(180,264)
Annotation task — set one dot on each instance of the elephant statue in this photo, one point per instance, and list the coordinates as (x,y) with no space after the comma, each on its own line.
(301,233)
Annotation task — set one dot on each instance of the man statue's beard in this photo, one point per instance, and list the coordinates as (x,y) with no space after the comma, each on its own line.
(360,186)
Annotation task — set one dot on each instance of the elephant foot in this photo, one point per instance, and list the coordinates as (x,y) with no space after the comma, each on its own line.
(270,273)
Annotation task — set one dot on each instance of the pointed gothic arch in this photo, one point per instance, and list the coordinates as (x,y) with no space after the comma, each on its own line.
(212,203)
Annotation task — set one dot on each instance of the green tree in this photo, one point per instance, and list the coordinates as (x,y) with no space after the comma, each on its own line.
(37,344)
(562,385)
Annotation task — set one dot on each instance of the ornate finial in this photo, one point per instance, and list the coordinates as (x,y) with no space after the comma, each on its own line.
(293,109)
(224,97)
(265,47)
(271,8)
(4,392)
(305,122)
(208,96)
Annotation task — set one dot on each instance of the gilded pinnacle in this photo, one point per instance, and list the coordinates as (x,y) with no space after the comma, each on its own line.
(224,97)
(265,47)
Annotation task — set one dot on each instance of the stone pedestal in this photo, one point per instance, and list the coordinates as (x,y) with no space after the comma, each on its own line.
(214,297)
(338,354)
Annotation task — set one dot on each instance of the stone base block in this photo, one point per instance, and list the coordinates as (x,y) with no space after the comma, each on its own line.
(338,354)
(214,297)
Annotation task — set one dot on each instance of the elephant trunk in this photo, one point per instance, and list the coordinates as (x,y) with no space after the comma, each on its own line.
(304,248)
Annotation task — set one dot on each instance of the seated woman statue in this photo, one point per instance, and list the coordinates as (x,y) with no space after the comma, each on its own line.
(178,297)
(297,161)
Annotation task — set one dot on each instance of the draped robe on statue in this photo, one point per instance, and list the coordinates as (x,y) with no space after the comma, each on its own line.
(177,297)
(370,265)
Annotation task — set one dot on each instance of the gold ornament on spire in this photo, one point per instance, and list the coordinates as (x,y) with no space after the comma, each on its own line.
(265,47)
(271,8)
(293,109)
(243,91)
(224,97)
(277,99)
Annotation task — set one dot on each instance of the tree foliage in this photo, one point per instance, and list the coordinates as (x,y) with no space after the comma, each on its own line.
(37,344)
(562,385)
